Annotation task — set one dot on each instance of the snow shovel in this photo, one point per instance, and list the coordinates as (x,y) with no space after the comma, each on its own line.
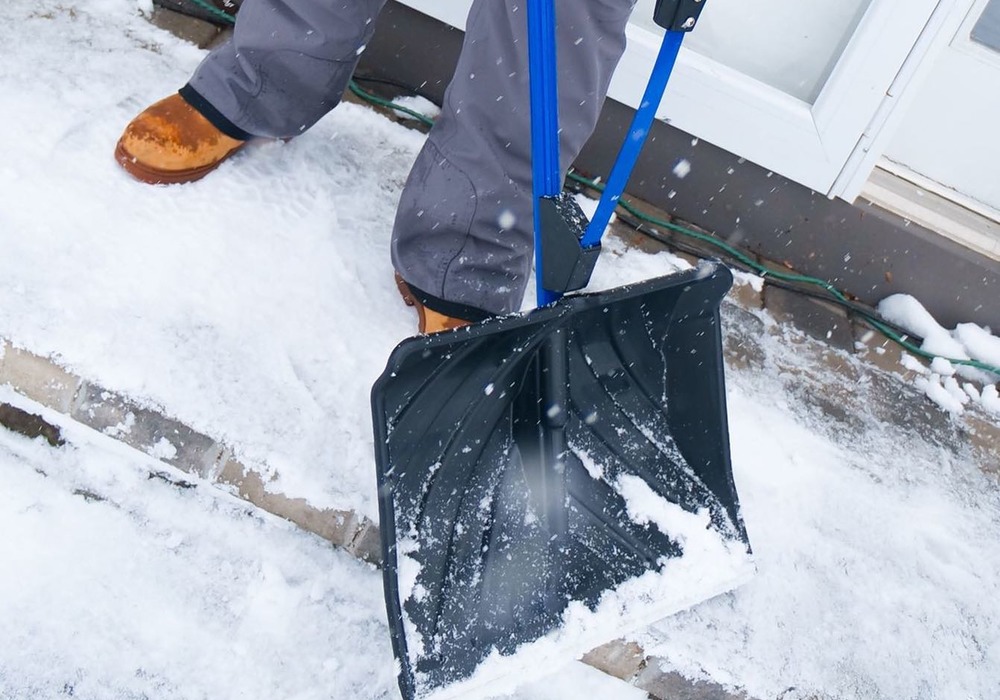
(548,482)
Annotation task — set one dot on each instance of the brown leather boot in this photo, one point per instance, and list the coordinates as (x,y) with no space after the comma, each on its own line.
(430,321)
(171,142)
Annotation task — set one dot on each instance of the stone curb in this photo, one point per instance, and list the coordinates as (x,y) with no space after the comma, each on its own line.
(160,436)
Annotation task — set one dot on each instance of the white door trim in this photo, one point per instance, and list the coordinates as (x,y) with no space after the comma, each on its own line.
(928,204)
(941,27)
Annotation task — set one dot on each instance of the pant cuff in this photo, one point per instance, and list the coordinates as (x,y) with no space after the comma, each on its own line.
(449,308)
(214,116)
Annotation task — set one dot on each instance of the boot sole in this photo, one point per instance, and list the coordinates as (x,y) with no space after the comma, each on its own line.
(404,291)
(410,300)
(154,176)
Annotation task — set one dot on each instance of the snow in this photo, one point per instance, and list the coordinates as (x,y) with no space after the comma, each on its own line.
(966,341)
(119,585)
(148,589)
(244,306)
(682,583)
(418,104)
(877,565)
(645,506)
(257,306)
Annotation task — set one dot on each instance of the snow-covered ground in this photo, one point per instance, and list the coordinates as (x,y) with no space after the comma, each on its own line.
(118,586)
(257,306)
(878,564)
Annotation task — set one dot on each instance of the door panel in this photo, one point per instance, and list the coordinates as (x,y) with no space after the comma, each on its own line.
(949,133)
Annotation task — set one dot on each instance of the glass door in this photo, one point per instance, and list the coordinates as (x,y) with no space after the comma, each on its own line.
(948,135)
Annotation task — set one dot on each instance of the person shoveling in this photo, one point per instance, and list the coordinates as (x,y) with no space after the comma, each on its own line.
(549,480)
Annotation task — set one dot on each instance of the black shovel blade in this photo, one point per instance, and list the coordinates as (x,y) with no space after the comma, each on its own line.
(533,464)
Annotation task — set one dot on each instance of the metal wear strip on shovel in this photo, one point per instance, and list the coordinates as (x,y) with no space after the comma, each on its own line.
(550,481)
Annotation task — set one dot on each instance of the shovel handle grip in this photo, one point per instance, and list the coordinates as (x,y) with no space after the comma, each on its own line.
(678,15)
(545,170)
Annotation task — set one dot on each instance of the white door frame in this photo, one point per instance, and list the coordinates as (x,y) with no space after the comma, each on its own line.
(824,145)
(961,56)
(943,24)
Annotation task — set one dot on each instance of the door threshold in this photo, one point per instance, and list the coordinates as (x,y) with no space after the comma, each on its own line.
(972,225)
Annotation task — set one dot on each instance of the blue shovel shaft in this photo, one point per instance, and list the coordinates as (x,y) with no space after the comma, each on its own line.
(641,124)
(546,173)
(547,176)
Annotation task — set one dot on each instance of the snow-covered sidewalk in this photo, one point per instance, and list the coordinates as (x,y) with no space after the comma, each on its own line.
(257,307)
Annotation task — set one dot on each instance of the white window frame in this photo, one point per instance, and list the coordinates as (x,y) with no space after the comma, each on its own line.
(987,6)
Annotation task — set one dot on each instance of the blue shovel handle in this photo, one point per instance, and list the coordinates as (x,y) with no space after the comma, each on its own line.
(546,170)
(641,124)
(546,173)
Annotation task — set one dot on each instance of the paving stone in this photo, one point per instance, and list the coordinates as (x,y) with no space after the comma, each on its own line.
(691,259)
(821,320)
(834,406)
(39,379)
(896,403)
(851,394)
(673,686)
(806,375)
(148,431)
(742,338)
(343,528)
(197,31)
(224,35)
(619,658)
(877,350)
(984,436)
(627,661)
(813,357)
(29,424)
(746,297)
(640,241)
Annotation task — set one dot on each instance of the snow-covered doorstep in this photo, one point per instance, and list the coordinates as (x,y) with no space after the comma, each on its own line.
(255,306)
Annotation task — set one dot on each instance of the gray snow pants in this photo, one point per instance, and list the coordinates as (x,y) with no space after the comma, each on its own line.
(463,231)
